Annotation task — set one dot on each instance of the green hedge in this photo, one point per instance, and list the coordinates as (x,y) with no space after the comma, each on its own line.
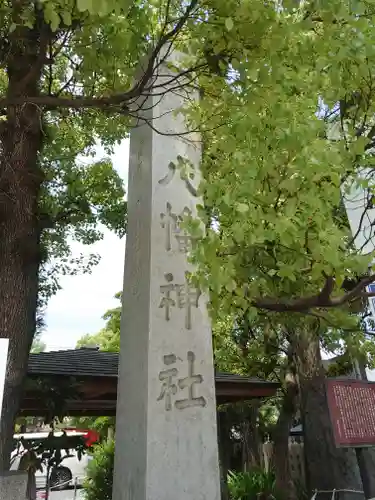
(99,480)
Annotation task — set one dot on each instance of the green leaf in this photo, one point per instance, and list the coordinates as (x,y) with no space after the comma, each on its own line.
(242,207)
(67,17)
(51,17)
(229,23)
(85,5)
(359,145)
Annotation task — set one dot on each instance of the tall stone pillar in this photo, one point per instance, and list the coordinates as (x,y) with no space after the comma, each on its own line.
(166,438)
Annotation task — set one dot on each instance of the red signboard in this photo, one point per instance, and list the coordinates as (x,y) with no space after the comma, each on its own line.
(352,408)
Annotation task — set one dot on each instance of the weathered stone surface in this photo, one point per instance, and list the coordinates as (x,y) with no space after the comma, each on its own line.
(13,485)
(166,438)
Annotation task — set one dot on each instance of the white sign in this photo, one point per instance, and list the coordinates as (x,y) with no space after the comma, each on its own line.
(4,343)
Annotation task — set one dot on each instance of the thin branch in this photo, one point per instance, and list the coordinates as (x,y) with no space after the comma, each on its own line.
(69,81)
(62,45)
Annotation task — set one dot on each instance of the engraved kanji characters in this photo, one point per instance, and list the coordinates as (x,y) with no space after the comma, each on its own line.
(166,302)
(168,221)
(185,297)
(169,176)
(170,386)
(171,223)
(172,167)
(188,383)
(180,296)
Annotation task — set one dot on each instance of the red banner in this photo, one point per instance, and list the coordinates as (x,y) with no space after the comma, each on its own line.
(352,408)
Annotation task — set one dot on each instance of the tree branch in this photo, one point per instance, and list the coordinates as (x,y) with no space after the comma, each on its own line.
(119,100)
(325,294)
(320,300)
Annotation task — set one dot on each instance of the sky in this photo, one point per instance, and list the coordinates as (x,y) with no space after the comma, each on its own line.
(77,309)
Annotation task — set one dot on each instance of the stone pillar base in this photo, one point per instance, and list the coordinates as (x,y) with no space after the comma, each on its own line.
(13,485)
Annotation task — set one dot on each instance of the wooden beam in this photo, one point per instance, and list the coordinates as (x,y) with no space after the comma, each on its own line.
(98,395)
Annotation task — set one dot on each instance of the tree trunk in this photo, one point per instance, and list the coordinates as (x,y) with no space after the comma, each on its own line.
(280,436)
(225,450)
(251,441)
(327,467)
(20,179)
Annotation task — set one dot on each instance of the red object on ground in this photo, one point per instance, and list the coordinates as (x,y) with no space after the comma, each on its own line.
(352,409)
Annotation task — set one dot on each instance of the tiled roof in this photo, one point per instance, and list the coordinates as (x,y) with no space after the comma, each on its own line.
(232,377)
(89,362)
(84,362)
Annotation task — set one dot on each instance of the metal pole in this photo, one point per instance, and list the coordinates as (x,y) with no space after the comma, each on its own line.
(75,488)
(365,456)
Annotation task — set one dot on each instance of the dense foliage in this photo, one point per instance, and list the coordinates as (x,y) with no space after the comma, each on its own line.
(288,137)
(98,485)
(272,170)
(252,485)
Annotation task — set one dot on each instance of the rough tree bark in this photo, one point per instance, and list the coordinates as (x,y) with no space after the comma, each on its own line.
(280,437)
(21,137)
(327,467)
(251,441)
(225,450)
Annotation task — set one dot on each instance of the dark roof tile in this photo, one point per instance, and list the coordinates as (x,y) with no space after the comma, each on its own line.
(90,362)
(74,362)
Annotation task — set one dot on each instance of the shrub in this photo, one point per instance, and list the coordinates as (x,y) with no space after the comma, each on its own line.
(252,485)
(98,484)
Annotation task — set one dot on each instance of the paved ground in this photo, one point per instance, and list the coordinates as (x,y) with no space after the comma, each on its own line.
(65,495)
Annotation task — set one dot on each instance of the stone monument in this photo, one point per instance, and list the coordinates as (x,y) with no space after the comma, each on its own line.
(166,437)
(12,484)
